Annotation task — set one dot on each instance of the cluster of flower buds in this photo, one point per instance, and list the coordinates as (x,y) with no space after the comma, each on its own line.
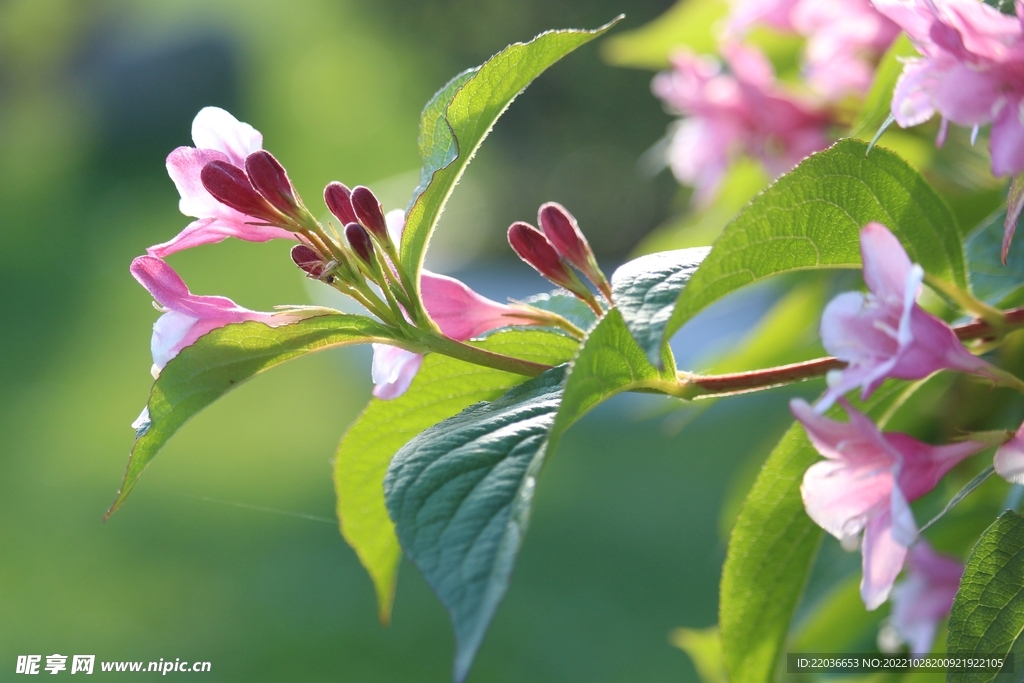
(234,188)
(555,248)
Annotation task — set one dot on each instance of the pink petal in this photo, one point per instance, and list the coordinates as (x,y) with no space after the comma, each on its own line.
(213,230)
(882,560)
(184,165)
(169,334)
(460,312)
(911,100)
(925,596)
(968,96)
(215,129)
(1009,459)
(886,264)
(1006,143)
(393,370)
(925,465)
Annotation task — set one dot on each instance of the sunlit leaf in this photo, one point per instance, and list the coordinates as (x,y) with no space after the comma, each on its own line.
(705,649)
(443,387)
(477,98)
(221,360)
(988,613)
(811,218)
(646,290)
(460,492)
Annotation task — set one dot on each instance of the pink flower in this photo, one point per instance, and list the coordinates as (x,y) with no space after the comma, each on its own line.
(461,314)
(1009,459)
(218,136)
(744,112)
(971,71)
(845,38)
(925,596)
(187,317)
(885,333)
(866,485)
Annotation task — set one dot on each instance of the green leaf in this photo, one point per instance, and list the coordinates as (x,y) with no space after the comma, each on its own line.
(771,551)
(705,649)
(460,496)
(460,492)
(1004,6)
(221,360)
(878,103)
(688,23)
(811,218)
(471,103)
(645,291)
(443,387)
(991,281)
(988,612)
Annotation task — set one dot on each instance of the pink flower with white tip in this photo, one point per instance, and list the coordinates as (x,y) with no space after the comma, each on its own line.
(971,71)
(884,333)
(1009,459)
(866,484)
(186,316)
(728,115)
(461,313)
(925,596)
(219,137)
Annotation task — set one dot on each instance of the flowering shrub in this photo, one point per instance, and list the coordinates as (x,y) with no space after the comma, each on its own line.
(447,477)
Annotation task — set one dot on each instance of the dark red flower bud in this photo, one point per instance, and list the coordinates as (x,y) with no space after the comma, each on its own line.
(369,212)
(339,200)
(533,247)
(563,232)
(269,178)
(230,186)
(360,242)
(308,260)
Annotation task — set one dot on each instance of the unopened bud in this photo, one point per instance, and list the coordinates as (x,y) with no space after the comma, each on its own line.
(369,212)
(360,242)
(534,248)
(339,200)
(270,179)
(230,186)
(308,260)
(562,230)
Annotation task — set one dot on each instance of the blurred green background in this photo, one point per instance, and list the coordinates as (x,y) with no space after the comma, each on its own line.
(625,541)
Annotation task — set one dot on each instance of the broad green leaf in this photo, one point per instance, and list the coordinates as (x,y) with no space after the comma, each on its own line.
(460,492)
(811,218)
(771,551)
(705,649)
(477,98)
(688,23)
(460,496)
(991,281)
(988,612)
(878,103)
(443,387)
(221,360)
(645,291)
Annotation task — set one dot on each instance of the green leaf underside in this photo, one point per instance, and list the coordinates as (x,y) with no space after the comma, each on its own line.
(988,612)
(991,281)
(477,98)
(224,358)
(771,552)
(443,387)
(646,290)
(811,218)
(878,103)
(460,492)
